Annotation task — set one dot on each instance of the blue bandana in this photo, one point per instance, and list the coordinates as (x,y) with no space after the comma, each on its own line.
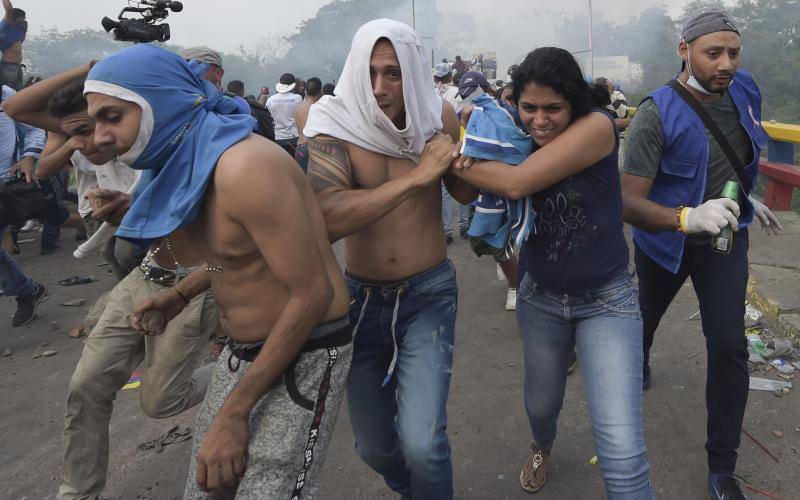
(186,126)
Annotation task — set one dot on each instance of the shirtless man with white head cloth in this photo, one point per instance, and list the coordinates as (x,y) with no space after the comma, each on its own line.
(378,151)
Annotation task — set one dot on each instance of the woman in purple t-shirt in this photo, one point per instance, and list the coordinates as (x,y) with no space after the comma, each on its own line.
(576,292)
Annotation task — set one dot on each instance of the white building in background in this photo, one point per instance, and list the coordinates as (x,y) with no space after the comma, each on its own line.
(618,69)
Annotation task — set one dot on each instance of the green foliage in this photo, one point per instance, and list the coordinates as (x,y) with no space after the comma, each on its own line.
(319,47)
(770,32)
(52,52)
(648,39)
(321,44)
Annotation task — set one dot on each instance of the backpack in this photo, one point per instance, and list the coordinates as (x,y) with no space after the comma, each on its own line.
(265,124)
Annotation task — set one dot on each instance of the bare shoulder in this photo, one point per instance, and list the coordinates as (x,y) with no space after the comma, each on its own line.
(450,125)
(254,167)
(598,121)
(329,164)
(595,129)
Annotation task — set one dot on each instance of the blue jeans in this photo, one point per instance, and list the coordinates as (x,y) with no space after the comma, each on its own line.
(400,378)
(289,145)
(606,328)
(301,157)
(447,213)
(13,281)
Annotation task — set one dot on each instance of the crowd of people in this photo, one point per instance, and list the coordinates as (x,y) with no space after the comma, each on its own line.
(164,161)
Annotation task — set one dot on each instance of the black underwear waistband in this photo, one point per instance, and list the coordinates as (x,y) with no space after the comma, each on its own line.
(334,333)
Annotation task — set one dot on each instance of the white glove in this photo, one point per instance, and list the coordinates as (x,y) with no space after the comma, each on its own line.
(768,220)
(712,216)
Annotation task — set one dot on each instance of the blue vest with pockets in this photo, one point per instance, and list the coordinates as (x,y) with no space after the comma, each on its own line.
(681,178)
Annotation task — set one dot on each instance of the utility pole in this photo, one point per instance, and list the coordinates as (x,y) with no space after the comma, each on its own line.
(591,52)
(413,15)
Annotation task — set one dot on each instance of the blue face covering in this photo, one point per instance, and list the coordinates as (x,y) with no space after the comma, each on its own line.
(186,126)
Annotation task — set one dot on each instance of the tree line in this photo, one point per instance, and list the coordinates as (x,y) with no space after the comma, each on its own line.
(770,36)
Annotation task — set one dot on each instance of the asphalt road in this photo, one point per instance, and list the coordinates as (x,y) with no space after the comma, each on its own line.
(487,424)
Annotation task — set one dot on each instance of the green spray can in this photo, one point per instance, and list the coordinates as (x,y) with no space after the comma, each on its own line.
(723,242)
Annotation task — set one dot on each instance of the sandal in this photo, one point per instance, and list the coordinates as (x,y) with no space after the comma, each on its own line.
(76,280)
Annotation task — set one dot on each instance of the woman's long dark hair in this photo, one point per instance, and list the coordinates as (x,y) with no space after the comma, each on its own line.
(555,68)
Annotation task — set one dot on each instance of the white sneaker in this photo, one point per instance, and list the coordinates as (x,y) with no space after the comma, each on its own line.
(31,225)
(511,299)
(500,274)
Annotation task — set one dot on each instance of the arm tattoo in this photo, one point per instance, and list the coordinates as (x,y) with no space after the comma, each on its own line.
(328,163)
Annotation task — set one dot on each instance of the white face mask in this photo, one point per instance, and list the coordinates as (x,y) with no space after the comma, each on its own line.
(692,81)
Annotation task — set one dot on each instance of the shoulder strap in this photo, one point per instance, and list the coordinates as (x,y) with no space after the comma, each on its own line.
(712,127)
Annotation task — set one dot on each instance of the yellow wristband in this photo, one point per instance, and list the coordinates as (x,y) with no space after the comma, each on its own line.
(682,227)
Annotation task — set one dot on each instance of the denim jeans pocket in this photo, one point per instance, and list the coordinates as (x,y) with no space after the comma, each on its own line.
(622,300)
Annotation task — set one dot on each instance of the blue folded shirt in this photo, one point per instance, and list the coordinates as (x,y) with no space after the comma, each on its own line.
(494,133)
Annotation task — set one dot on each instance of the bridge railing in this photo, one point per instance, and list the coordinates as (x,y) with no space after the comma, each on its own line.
(783,176)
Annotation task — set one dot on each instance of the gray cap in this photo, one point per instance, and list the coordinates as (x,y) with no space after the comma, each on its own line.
(203,54)
(705,21)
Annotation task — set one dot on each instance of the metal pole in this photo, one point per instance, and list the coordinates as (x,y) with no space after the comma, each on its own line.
(591,52)
(413,15)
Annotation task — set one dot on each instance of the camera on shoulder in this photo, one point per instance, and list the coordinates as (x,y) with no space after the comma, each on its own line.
(144,29)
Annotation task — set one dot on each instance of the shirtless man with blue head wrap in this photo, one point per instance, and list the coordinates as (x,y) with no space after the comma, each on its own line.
(264,425)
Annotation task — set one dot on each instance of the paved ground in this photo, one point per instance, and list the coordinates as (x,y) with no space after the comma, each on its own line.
(488,428)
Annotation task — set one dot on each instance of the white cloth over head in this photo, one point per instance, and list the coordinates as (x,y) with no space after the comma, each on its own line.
(353,115)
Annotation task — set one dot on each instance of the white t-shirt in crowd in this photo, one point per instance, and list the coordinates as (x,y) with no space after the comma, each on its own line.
(447,92)
(282,107)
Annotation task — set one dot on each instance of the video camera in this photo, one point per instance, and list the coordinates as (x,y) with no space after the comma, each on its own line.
(144,30)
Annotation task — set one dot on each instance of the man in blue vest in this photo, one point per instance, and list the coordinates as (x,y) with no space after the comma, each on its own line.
(672,182)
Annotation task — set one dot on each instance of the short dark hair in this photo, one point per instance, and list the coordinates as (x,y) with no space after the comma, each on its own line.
(314,86)
(328,89)
(236,87)
(287,79)
(68,99)
(600,93)
(555,68)
(17,14)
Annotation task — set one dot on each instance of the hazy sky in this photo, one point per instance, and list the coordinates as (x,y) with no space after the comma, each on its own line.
(227,24)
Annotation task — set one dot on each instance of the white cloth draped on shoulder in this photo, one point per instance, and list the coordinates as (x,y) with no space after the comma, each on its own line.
(353,115)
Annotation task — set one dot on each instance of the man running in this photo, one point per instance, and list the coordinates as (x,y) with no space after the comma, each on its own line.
(264,425)
(113,349)
(376,163)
